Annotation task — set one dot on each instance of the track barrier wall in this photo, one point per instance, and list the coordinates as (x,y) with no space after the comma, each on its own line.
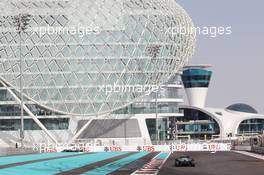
(182,147)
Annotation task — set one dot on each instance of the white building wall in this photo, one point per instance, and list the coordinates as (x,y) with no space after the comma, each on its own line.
(197,96)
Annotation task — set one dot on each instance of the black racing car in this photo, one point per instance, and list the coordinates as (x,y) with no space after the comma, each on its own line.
(184,160)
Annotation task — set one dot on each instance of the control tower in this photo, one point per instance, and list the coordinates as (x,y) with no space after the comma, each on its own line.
(196,80)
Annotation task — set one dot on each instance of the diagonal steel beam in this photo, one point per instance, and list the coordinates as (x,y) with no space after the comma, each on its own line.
(81,131)
(30,113)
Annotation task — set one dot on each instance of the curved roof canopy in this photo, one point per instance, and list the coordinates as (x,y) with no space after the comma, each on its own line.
(240,107)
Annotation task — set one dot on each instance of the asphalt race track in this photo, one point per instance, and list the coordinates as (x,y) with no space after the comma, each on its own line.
(220,163)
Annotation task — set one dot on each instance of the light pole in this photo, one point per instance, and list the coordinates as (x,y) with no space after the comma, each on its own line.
(153,51)
(156,115)
(21,23)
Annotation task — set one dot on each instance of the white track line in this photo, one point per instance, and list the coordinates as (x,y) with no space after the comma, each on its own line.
(147,169)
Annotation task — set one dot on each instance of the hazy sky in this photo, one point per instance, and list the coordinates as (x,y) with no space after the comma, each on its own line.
(237,59)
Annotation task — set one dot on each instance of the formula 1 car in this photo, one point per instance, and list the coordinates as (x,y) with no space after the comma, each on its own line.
(184,160)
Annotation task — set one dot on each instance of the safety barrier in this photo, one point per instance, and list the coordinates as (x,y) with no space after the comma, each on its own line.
(259,150)
(148,148)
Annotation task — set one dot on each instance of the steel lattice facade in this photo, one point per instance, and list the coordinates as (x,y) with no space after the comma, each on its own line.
(64,72)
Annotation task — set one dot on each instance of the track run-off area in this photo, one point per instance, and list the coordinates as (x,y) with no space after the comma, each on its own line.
(68,163)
